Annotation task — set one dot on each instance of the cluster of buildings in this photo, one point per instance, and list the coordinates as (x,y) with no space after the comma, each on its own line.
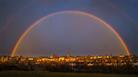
(103,64)
(73,60)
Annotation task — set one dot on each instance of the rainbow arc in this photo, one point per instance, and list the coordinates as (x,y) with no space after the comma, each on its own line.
(103,23)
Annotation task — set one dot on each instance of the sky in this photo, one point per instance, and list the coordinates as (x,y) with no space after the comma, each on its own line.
(17,15)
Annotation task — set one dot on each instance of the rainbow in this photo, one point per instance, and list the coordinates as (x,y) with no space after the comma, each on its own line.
(76,12)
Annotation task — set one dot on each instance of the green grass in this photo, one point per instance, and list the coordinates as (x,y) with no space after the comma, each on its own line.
(57,74)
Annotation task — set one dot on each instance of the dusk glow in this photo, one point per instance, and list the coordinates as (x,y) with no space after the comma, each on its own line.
(18,16)
(68,38)
(79,32)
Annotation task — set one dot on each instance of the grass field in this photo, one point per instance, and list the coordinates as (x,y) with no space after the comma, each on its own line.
(57,74)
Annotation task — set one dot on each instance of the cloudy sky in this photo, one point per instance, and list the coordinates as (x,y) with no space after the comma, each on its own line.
(17,15)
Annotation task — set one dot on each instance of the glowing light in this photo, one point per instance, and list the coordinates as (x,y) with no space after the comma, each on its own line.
(103,23)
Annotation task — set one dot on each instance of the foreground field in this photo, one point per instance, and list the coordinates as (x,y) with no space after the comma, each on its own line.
(57,74)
